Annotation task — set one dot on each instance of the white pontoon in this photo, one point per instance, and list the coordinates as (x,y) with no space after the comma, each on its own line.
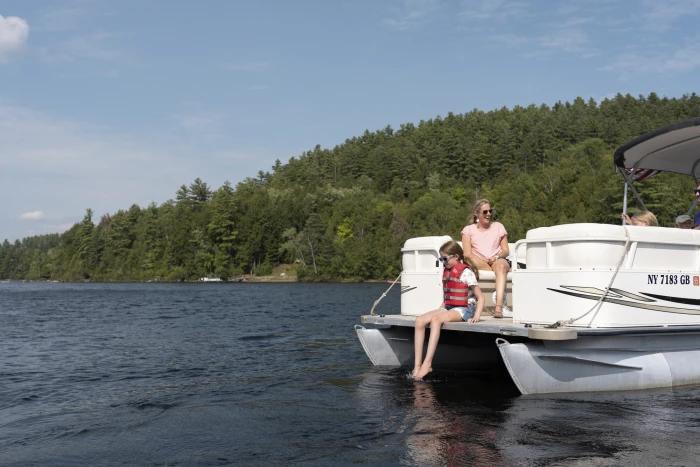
(596,308)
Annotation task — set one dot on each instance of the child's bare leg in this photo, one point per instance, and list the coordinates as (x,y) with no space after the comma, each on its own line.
(435,326)
(419,337)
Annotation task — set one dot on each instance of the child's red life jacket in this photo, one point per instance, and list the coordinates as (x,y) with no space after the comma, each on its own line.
(456,292)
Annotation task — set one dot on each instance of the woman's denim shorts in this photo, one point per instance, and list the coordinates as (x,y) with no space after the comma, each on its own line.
(466,311)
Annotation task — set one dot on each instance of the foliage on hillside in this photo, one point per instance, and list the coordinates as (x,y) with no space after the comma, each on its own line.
(345,212)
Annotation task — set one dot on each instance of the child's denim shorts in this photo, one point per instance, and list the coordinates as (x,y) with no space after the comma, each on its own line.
(466,311)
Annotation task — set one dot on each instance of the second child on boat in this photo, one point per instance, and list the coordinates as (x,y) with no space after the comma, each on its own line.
(463,301)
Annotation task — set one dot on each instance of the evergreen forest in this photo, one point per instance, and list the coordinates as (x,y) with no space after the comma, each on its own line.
(344,213)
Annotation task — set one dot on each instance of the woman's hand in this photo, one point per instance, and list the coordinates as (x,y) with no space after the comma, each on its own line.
(626,218)
(473,320)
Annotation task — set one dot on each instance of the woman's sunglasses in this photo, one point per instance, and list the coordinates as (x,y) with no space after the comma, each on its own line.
(486,211)
(697,192)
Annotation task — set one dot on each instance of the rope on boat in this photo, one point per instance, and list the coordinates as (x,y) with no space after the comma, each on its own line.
(607,289)
(371,312)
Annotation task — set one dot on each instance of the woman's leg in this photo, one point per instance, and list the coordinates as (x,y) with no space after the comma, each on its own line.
(435,326)
(500,268)
(419,338)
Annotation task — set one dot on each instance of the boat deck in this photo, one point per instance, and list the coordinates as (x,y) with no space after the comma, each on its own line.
(505,327)
(487,324)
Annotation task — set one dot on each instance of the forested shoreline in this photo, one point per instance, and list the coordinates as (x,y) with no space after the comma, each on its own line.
(343,213)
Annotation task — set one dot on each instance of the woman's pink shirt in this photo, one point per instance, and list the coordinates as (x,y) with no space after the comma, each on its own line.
(485,243)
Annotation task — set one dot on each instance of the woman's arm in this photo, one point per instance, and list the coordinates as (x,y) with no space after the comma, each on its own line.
(505,251)
(467,246)
(479,304)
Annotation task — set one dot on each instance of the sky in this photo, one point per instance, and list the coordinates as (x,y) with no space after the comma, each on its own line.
(109,103)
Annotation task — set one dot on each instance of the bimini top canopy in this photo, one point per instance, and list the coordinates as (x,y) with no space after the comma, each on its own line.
(673,148)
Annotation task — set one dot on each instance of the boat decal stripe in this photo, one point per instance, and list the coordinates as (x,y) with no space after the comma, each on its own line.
(632,296)
(591,290)
(684,301)
(645,306)
(407,289)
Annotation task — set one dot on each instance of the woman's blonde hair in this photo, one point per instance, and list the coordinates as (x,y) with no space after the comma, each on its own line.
(453,248)
(646,217)
(475,208)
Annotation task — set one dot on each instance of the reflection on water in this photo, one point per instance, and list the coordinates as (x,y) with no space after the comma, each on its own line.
(443,437)
(452,419)
(461,419)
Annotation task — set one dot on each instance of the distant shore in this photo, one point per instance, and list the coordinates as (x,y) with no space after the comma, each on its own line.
(252,279)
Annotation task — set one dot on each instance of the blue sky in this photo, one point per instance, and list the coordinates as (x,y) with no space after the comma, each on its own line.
(104,104)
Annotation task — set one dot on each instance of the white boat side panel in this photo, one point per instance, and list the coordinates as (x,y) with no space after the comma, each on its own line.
(653,257)
(545,297)
(586,255)
(594,246)
(569,232)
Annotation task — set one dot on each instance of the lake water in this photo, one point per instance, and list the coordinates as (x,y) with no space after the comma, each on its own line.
(273,374)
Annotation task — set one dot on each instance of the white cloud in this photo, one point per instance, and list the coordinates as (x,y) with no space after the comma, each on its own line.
(629,65)
(14,32)
(482,10)
(63,18)
(570,41)
(32,215)
(412,13)
(249,67)
(662,14)
(203,122)
(93,46)
(567,40)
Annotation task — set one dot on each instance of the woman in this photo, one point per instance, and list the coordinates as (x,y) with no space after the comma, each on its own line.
(486,244)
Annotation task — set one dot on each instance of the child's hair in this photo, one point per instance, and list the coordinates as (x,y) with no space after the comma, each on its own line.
(453,248)
(475,208)
(647,217)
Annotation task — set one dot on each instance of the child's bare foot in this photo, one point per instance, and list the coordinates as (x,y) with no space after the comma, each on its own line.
(424,370)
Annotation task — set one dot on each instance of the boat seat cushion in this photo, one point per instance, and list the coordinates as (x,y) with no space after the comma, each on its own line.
(491,276)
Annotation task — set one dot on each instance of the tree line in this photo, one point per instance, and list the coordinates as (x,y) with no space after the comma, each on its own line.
(345,212)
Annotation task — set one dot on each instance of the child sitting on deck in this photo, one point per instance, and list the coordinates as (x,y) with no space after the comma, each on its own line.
(463,301)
